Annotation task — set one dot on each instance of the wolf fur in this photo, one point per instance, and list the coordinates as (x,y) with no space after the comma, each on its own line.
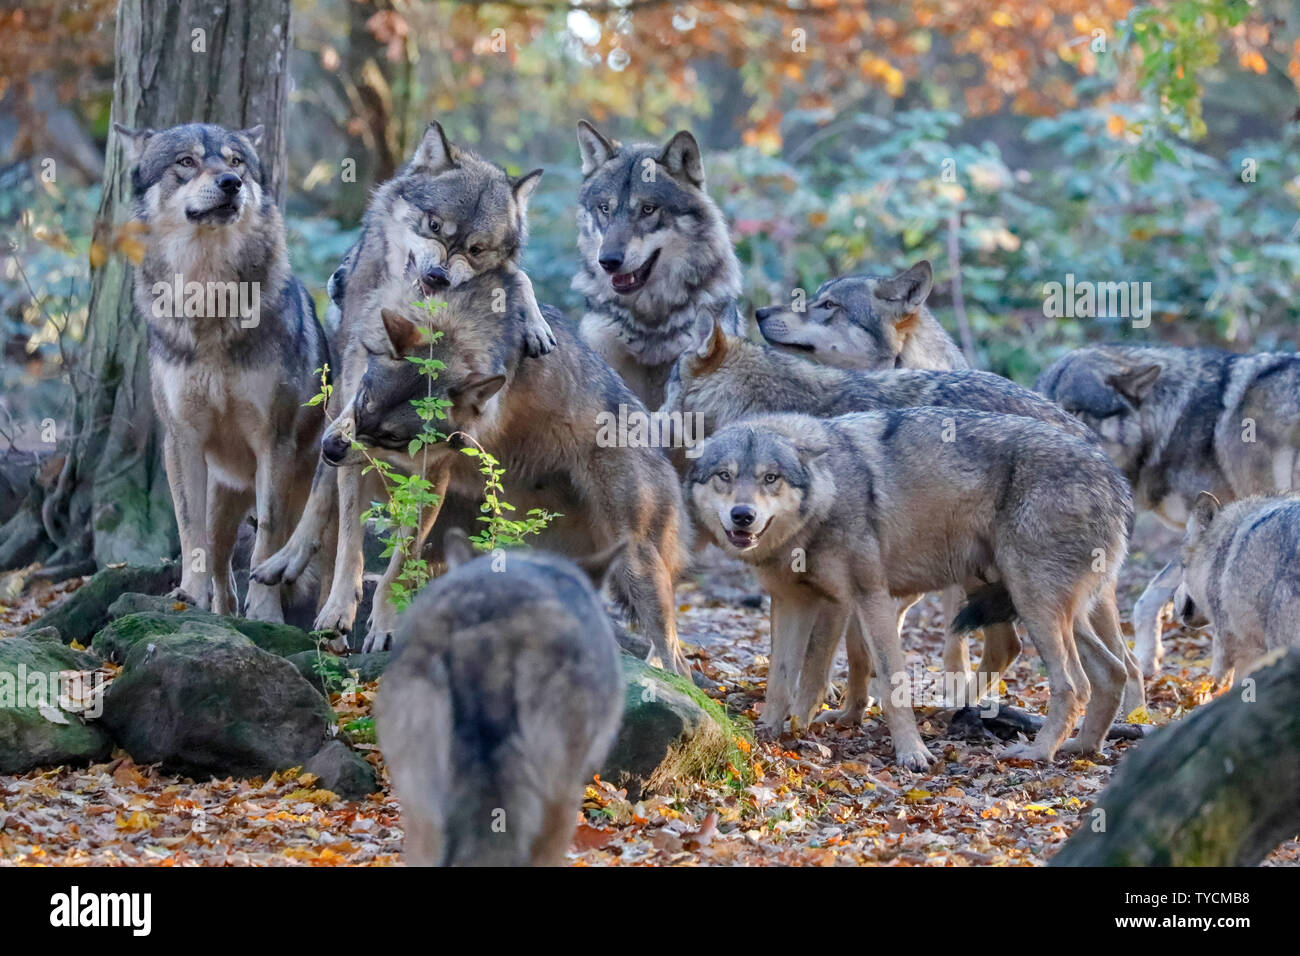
(658,269)
(866,323)
(504,697)
(229,388)
(853,511)
(1180,421)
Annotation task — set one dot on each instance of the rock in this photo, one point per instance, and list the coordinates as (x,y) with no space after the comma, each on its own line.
(141,615)
(331,672)
(638,645)
(343,770)
(83,612)
(34,731)
(205,700)
(671,732)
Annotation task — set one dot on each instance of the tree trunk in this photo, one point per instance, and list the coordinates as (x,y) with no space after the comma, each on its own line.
(191,61)
(1218,788)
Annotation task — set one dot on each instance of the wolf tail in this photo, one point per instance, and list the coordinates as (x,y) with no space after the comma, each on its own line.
(990,604)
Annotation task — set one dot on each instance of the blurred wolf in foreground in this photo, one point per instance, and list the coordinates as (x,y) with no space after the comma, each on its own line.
(866,323)
(1241,577)
(658,269)
(503,699)
(1179,421)
(233,344)
(845,514)
(445,218)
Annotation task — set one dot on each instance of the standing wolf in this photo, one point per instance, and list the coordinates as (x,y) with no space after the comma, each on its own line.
(848,513)
(503,699)
(657,264)
(446,217)
(866,322)
(1241,577)
(233,343)
(1178,422)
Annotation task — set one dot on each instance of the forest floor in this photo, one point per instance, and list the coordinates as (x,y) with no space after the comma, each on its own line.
(824,798)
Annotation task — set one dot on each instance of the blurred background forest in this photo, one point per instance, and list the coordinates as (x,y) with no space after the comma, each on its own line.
(1020,141)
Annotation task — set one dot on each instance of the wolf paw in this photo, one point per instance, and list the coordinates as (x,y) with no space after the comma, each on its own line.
(381,640)
(186,596)
(768,730)
(1034,752)
(918,759)
(1076,747)
(283,567)
(846,719)
(538,340)
(337,616)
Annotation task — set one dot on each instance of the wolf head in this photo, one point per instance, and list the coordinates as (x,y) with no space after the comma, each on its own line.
(1191,597)
(756,483)
(456,215)
(1106,391)
(196,176)
(649,235)
(855,322)
(465,336)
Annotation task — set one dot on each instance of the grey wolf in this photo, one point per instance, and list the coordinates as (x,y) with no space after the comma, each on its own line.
(503,699)
(446,217)
(541,419)
(866,322)
(229,384)
(657,267)
(730,378)
(854,511)
(1178,422)
(1240,577)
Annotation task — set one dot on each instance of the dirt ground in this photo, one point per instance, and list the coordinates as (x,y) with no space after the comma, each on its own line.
(826,798)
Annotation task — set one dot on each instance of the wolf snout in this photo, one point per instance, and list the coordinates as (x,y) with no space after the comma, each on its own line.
(766,312)
(229,183)
(611,262)
(742,516)
(434,279)
(334,448)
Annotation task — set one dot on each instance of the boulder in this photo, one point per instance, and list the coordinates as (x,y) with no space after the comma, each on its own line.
(135,616)
(343,770)
(330,673)
(671,732)
(34,730)
(83,612)
(205,700)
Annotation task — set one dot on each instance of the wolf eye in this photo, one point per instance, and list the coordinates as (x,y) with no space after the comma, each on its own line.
(186,161)
(648,208)
(475,250)
(828,304)
(236,161)
(604,208)
(434,224)
(770,479)
(723,476)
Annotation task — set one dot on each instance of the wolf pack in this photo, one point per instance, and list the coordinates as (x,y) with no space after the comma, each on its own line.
(848,454)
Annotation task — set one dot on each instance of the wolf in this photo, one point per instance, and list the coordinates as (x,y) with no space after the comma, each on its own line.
(233,345)
(866,323)
(850,512)
(504,697)
(730,378)
(1179,421)
(1240,577)
(447,216)
(540,419)
(657,266)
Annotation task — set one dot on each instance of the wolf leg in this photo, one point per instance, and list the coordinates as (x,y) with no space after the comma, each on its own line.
(288,563)
(877,619)
(1104,619)
(647,589)
(956,648)
(1106,675)
(226,510)
(383,612)
(1001,648)
(277,499)
(810,693)
(187,476)
(538,337)
(857,696)
(1152,609)
(792,625)
(340,610)
(1065,678)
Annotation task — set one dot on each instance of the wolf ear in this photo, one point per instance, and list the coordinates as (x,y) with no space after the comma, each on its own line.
(434,153)
(598,565)
(1134,383)
(681,157)
(475,393)
(524,187)
(133,141)
(456,548)
(594,148)
(402,332)
(1204,510)
(907,290)
(713,349)
(254,134)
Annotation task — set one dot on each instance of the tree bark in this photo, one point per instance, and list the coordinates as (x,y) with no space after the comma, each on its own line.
(1218,788)
(112,501)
